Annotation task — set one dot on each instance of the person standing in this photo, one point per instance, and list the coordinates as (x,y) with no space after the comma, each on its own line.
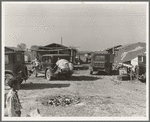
(137,71)
(131,74)
(13,105)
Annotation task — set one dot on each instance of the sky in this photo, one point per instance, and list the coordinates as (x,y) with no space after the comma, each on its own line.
(86,26)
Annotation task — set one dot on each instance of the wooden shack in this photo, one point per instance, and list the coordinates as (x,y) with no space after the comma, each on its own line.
(54,49)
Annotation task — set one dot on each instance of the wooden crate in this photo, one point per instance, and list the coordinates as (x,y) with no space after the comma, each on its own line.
(123,77)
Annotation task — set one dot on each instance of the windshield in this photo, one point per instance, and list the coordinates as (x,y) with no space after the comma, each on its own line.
(99,57)
(47,59)
(6,59)
(61,57)
(9,59)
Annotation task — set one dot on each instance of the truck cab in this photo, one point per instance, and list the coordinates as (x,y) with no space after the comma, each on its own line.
(101,61)
(15,65)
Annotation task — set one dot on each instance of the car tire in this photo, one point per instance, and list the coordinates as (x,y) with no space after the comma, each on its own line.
(35,72)
(48,74)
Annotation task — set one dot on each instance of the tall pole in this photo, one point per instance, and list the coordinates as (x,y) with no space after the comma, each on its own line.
(61,40)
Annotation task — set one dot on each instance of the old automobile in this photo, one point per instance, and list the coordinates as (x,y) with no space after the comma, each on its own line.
(14,64)
(47,64)
(101,61)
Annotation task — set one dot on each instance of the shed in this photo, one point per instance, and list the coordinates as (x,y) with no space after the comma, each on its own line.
(129,56)
(55,49)
(13,49)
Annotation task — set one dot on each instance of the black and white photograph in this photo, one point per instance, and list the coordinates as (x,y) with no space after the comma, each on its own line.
(75,61)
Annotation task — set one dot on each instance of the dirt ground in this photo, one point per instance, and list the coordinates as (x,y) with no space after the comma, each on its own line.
(95,96)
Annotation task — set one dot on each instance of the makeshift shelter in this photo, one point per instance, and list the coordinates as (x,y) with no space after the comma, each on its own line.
(128,55)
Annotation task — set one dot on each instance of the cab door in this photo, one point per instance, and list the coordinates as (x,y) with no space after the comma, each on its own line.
(18,62)
(43,63)
(46,62)
(9,62)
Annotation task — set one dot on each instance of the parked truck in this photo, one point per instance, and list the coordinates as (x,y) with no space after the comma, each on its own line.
(15,65)
(101,61)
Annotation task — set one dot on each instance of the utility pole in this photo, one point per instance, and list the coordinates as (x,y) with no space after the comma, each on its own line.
(61,40)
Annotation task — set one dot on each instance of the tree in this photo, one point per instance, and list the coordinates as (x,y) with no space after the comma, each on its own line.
(22,46)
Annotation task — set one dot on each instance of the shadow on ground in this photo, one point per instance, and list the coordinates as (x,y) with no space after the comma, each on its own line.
(39,76)
(104,73)
(72,78)
(32,86)
(83,78)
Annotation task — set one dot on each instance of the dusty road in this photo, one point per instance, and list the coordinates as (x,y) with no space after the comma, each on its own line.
(100,96)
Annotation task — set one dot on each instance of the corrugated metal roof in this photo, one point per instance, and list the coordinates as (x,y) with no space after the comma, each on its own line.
(134,45)
(129,54)
(14,48)
(142,54)
(38,50)
(113,47)
(55,45)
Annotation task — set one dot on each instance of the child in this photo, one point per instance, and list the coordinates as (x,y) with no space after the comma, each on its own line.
(13,105)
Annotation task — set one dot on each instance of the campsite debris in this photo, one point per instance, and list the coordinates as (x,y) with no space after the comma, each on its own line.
(61,100)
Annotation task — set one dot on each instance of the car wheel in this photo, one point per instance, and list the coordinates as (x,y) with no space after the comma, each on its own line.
(49,74)
(35,72)
(7,77)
